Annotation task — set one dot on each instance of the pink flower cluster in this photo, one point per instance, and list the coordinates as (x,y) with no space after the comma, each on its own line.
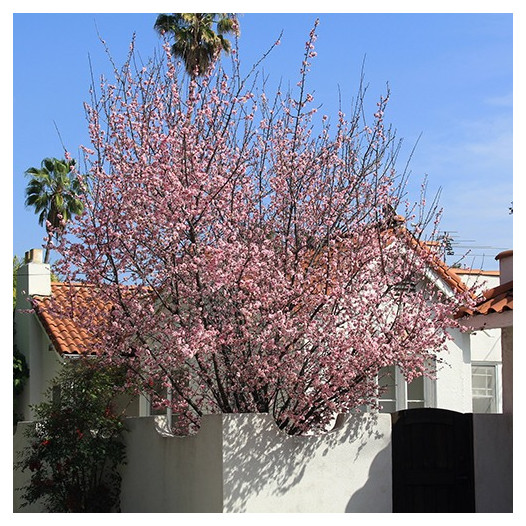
(250,264)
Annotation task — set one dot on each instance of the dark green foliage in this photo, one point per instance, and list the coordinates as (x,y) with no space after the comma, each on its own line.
(195,41)
(54,192)
(20,371)
(76,444)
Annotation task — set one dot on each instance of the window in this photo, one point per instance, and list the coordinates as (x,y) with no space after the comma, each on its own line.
(398,394)
(388,388)
(415,393)
(485,385)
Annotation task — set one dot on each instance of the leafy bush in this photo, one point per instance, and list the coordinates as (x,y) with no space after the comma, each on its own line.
(20,371)
(76,444)
(20,375)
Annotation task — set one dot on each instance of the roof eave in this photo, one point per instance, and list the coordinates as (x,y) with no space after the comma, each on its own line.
(494,320)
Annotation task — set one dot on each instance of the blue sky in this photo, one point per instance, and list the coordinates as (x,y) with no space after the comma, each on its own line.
(450,75)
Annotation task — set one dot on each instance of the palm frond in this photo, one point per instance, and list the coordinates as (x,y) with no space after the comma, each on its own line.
(195,41)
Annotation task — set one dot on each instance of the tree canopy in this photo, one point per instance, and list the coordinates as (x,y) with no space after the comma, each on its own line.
(250,248)
(53,191)
(195,40)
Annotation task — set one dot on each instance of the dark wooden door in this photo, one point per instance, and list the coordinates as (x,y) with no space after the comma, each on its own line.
(432,461)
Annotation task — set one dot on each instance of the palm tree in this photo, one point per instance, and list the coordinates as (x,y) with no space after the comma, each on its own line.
(54,193)
(194,39)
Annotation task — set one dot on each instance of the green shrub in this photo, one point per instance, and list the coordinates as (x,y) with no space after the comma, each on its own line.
(76,446)
(20,375)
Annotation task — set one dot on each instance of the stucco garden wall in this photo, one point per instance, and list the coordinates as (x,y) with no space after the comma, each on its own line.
(243,463)
(172,474)
(493,462)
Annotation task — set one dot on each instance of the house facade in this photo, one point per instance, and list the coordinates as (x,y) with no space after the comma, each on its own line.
(468,377)
(47,340)
(243,463)
(492,318)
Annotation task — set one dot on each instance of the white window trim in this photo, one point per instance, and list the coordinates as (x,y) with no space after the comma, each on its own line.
(401,400)
(145,407)
(498,382)
(430,392)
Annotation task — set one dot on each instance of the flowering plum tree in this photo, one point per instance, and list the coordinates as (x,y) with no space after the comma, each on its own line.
(249,251)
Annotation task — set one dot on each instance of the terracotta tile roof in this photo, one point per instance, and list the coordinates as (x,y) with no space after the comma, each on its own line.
(475,272)
(70,299)
(429,249)
(496,300)
(448,274)
(58,321)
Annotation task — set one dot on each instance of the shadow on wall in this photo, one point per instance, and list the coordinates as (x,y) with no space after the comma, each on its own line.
(360,502)
(262,465)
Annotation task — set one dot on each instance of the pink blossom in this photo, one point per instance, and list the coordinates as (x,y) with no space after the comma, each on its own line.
(247,261)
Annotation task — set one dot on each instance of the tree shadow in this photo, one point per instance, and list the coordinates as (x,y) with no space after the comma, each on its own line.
(360,502)
(261,464)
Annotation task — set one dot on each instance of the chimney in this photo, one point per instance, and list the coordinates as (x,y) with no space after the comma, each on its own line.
(33,278)
(34,256)
(505,260)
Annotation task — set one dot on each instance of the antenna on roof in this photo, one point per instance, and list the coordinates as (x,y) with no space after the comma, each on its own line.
(446,240)
(450,246)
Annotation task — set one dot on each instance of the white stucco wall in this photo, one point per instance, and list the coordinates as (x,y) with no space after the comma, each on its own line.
(486,345)
(243,463)
(493,462)
(482,280)
(172,474)
(42,360)
(453,385)
(346,470)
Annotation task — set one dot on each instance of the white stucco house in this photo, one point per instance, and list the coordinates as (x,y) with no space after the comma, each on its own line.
(243,463)
(46,339)
(490,324)
(469,380)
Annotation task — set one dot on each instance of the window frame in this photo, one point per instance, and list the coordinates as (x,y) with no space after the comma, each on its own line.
(497,368)
(401,392)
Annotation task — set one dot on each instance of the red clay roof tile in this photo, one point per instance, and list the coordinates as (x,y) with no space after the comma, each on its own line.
(70,299)
(496,300)
(66,335)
